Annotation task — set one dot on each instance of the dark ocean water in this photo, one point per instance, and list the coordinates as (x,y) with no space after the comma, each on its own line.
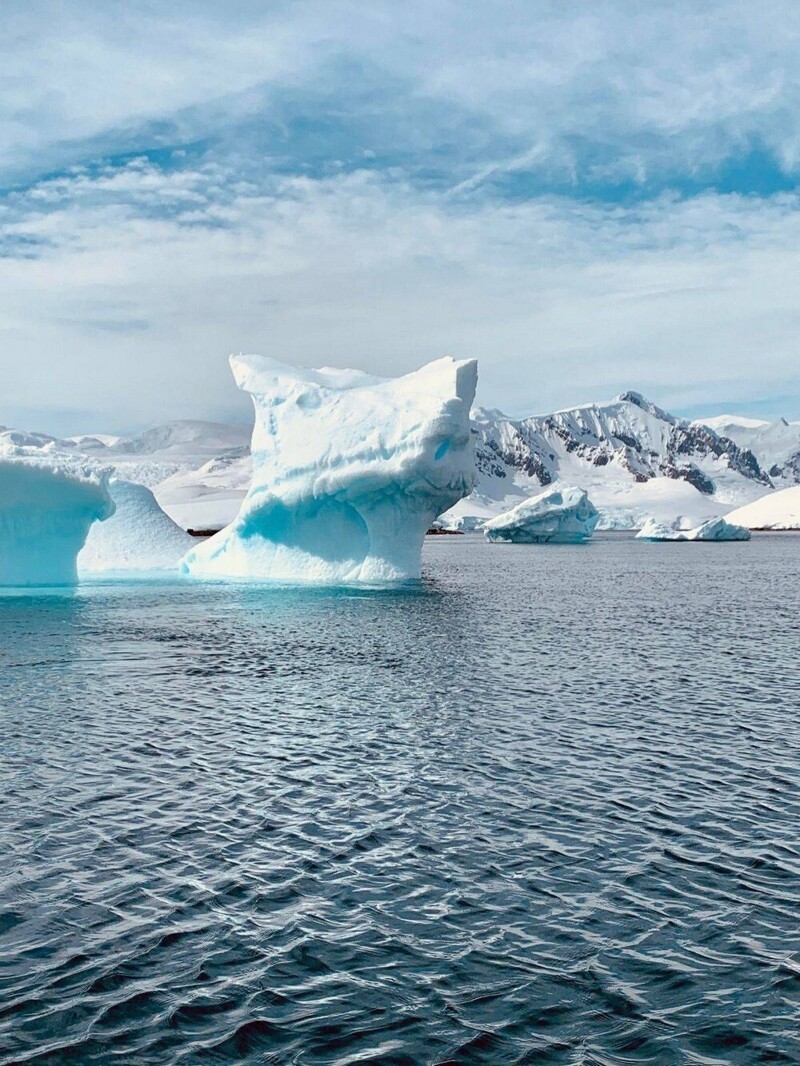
(542,808)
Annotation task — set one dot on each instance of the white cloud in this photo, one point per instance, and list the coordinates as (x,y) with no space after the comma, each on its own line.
(670,85)
(125,285)
(130,315)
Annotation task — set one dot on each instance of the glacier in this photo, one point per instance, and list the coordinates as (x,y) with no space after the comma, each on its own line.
(139,536)
(559,515)
(349,471)
(715,529)
(47,507)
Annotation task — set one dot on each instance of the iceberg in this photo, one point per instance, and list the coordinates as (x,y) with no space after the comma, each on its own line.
(139,535)
(715,529)
(559,515)
(349,472)
(47,507)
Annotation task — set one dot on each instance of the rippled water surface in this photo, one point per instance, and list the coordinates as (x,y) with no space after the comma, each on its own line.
(542,808)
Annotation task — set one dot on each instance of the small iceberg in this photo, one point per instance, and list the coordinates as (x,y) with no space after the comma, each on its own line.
(47,507)
(349,472)
(715,529)
(559,515)
(139,536)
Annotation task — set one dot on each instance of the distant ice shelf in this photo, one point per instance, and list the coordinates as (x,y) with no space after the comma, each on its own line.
(559,515)
(46,510)
(349,471)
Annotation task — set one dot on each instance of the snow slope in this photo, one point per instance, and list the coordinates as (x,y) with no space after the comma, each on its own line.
(349,471)
(138,536)
(181,450)
(46,511)
(778,510)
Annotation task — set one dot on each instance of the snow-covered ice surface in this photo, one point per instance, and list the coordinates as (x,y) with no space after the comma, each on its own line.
(715,529)
(559,515)
(778,510)
(139,536)
(349,471)
(46,511)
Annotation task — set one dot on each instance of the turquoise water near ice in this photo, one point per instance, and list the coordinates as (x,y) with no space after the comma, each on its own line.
(542,807)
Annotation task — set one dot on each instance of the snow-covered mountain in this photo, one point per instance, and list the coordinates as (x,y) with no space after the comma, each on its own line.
(776,445)
(635,459)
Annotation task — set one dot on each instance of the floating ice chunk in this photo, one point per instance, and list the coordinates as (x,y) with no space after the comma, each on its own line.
(559,515)
(713,529)
(46,508)
(139,536)
(349,471)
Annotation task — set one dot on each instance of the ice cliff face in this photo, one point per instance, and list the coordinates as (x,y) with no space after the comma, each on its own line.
(139,535)
(559,515)
(46,510)
(349,471)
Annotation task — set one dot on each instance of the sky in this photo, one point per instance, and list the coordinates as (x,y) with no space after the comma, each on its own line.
(586,197)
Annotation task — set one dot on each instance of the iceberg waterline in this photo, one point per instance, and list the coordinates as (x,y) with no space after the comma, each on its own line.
(349,471)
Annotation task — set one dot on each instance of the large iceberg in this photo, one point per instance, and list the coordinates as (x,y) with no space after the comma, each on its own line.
(714,529)
(139,535)
(559,515)
(349,471)
(46,510)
